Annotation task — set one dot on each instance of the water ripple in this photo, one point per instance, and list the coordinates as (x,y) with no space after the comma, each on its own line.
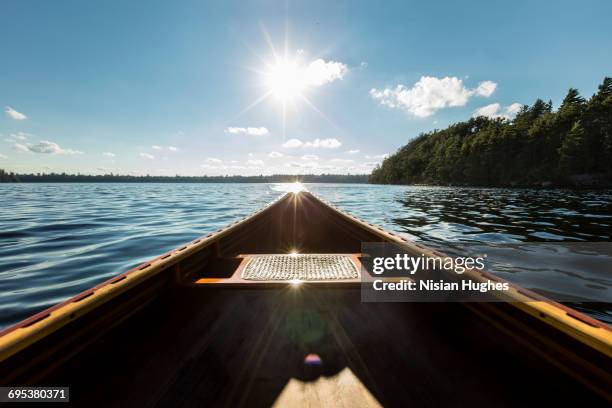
(59,239)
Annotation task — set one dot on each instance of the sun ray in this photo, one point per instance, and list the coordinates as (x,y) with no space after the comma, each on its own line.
(268,40)
(253,104)
(255,70)
(313,107)
(261,59)
(284,121)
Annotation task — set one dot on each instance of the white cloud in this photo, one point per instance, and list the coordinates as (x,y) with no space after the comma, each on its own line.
(304,165)
(352,151)
(12,113)
(173,148)
(156,147)
(255,162)
(378,156)
(20,147)
(329,143)
(108,154)
(430,94)
(44,147)
(310,157)
(320,72)
(275,155)
(251,131)
(363,65)
(496,111)
(293,143)
(341,161)
(486,88)
(324,143)
(514,108)
(3,156)
(147,156)
(19,136)
(213,160)
(490,111)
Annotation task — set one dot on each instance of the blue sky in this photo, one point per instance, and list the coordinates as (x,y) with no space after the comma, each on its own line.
(163,87)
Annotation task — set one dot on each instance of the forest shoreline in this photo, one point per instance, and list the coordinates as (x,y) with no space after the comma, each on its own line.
(539,147)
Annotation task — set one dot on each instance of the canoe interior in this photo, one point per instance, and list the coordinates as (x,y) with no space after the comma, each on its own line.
(169,341)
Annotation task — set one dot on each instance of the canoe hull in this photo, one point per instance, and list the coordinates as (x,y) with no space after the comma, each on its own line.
(155,328)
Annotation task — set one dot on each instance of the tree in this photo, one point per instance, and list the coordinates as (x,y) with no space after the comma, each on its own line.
(573,154)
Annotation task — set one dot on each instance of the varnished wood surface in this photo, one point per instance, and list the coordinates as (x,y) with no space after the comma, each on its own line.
(210,345)
(221,347)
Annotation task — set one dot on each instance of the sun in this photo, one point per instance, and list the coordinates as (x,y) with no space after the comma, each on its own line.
(285,80)
(288,79)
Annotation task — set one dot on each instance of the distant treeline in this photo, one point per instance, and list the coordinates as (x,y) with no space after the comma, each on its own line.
(7,177)
(571,146)
(116,178)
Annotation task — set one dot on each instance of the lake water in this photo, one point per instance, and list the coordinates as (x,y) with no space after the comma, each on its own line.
(59,239)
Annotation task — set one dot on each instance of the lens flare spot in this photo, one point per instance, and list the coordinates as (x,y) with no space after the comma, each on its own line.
(313,360)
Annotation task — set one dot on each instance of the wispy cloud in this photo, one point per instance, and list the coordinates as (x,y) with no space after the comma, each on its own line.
(213,160)
(275,155)
(12,113)
(147,156)
(431,94)
(496,111)
(3,156)
(108,154)
(44,147)
(304,165)
(324,143)
(486,88)
(329,143)
(211,166)
(19,136)
(310,157)
(378,156)
(251,131)
(341,161)
(161,148)
(514,108)
(352,151)
(21,147)
(293,143)
(255,162)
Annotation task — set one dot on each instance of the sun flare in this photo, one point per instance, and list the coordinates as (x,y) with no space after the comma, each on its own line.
(288,77)
(285,80)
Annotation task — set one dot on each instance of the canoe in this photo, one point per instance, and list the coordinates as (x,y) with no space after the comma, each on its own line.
(220,321)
